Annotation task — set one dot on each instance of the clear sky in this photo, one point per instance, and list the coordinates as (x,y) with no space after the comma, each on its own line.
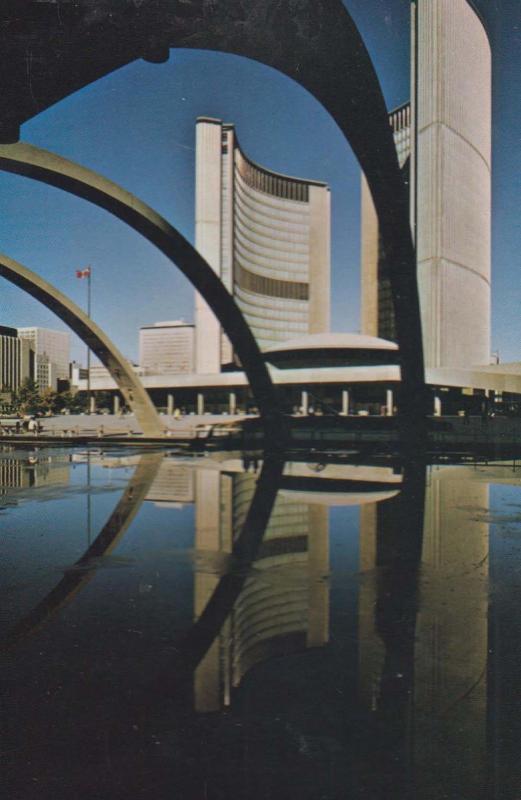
(137,127)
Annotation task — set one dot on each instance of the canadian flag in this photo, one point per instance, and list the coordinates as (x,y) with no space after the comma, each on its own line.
(83,273)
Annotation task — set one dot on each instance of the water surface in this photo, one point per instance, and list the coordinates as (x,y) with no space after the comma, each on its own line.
(160,640)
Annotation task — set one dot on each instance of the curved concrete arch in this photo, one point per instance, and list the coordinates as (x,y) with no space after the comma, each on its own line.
(42,165)
(315,42)
(127,381)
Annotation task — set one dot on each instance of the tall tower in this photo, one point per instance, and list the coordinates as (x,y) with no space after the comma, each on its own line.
(445,151)
(451,185)
(268,238)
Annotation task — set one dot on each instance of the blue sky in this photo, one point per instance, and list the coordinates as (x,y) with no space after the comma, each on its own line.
(137,127)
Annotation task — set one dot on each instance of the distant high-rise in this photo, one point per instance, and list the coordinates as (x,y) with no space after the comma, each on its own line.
(166,348)
(51,349)
(444,146)
(268,238)
(16,360)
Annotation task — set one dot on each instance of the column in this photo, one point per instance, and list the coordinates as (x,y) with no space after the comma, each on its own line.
(304,402)
(232,403)
(115,405)
(200,403)
(92,404)
(345,402)
(389,402)
(170,404)
(437,406)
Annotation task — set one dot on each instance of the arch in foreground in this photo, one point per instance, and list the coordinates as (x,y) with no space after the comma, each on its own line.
(127,381)
(314,42)
(42,165)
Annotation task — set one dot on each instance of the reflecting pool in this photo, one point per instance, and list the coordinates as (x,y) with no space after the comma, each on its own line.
(223,627)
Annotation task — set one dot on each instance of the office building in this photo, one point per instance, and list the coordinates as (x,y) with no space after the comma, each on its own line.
(443,141)
(16,360)
(166,348)
(268,238)
(51,349)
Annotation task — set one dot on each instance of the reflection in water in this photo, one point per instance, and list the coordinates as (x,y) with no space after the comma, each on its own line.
(83,570)
(20,472)
(292,692)
(283,606)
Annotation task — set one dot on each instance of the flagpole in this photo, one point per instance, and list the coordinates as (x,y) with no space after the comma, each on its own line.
(88,348)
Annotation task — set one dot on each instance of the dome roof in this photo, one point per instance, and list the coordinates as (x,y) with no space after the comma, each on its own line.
(333,341)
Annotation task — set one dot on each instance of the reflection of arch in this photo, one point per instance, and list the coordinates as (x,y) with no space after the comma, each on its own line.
(85,568)
(315,42)
(32,162)
(127,381)
(193,646)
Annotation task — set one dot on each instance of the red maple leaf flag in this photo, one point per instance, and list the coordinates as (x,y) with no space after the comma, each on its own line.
(83,273)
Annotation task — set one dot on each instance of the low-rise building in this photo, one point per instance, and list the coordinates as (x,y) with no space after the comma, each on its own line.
(166,348)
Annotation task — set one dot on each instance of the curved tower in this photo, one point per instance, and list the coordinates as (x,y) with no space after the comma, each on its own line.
(451,101)
(267,236)
(443,141)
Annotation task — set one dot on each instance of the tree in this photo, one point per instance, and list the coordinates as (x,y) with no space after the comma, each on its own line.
(26,399)
(74,403)
(51,402)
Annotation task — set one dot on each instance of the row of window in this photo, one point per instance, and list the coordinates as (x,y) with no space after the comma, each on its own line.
(276,185)
(290,290)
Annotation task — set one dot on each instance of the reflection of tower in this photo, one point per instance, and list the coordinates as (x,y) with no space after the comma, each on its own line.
(452,633)
(284,606)
(447,725)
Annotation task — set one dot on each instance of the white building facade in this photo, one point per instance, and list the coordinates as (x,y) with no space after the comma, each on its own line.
(166,348)
(52,355)
(268,238)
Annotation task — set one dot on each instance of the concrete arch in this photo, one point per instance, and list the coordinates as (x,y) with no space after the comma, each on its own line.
(315,42)
(127,381)
(42,165)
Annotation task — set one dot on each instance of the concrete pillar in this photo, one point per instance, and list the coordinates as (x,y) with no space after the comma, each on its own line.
(200,403)
(437,406)
(304,402)
(389,402)
(170,404)
(345,402)
(116,404)
(232,403)
(92,404)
